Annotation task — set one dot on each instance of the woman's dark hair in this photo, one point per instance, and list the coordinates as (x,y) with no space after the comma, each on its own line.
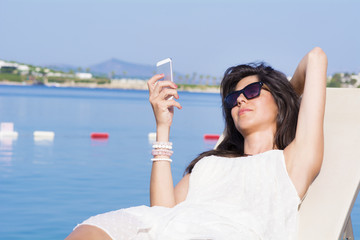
(285,97)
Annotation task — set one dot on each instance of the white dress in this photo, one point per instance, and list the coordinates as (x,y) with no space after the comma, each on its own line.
(229,198)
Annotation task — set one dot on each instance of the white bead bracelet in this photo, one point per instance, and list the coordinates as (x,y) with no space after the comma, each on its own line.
(162,145)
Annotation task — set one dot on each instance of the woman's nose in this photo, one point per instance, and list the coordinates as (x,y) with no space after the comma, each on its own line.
(241,99)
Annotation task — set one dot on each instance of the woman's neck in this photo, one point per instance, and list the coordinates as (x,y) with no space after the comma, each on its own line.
(258,142)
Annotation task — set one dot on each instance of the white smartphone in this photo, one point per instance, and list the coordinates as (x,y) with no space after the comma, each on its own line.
(165,67)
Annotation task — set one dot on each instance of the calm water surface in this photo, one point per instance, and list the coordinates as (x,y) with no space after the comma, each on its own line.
(47,187)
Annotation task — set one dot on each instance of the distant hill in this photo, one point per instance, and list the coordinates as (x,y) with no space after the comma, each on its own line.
(62,67)
(118,67)
(123,69)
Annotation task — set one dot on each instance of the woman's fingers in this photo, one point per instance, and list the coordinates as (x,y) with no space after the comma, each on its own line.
(152,81)
(173,103)
(165,106)
(162,101)
(160,93)
(162,85)
(167,93)
(155,83)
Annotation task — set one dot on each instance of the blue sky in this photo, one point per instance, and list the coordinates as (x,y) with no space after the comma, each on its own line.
(205,37)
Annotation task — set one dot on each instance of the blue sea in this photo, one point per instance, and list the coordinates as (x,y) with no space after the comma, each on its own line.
(47,187)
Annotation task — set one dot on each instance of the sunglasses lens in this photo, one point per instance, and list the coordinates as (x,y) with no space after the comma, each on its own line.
(231,99)
(252,91)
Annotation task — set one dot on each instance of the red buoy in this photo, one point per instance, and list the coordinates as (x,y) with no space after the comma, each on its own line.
(211,136)
(98,135)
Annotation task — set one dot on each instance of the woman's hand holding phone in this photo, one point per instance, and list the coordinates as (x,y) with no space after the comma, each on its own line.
(161,182)
(159,93)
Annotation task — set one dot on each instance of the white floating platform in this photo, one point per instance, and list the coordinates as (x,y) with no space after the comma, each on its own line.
(7,131)
(8,135)
(7,127)
(44,135)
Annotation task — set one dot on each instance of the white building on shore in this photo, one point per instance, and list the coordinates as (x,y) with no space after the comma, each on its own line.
(83,75)
(24,69)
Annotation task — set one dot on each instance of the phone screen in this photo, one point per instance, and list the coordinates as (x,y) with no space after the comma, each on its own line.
(165,67)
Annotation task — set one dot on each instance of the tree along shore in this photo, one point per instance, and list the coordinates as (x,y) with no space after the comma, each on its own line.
(135,84)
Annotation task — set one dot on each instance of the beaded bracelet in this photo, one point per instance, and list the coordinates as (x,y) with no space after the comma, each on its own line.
(162,152)
(162,145)
(161,159)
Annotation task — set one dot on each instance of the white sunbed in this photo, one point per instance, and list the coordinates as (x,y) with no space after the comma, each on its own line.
(325,211)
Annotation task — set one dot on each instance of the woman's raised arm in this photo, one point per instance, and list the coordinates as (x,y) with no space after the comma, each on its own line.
(162,191)
(304,155)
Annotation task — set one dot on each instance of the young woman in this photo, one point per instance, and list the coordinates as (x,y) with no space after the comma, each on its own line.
(251,186)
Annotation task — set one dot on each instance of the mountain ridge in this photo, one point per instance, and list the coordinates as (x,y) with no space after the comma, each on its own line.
(112,68)
(122,68)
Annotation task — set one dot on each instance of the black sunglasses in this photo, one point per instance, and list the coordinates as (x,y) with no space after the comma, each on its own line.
(250,91)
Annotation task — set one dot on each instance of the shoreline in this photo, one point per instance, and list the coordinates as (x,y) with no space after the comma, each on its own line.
(127,85)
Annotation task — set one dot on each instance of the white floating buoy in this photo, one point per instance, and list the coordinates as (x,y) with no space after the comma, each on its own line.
(7,127)
(7,131)
(152,137)
(43,135)
(9,135)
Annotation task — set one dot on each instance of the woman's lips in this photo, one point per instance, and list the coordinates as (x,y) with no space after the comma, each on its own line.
(242,111)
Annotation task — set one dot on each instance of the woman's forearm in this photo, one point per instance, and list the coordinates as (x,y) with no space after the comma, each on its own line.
(161,182)
(298,79)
